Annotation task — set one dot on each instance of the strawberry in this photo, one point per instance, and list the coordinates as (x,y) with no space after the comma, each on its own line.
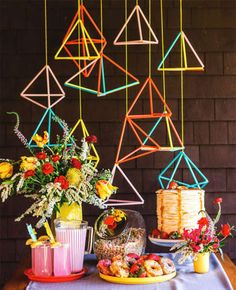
(173,185)
(134,268)
(133,256)
(164,235)
(156,233)
(153,257)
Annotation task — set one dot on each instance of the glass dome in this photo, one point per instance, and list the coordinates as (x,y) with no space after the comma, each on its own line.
(119,232)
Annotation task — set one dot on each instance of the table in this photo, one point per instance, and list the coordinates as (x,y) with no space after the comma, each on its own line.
(19,282)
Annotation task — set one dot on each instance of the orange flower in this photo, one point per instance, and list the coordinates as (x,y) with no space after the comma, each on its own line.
(104,189)
(39,140)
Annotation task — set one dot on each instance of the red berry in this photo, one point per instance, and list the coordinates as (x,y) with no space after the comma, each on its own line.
(156,233)
(133,256)
(134,268)
(173,185)
(164,235)
(153,257)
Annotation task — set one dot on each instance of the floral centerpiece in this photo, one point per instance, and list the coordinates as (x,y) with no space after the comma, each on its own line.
(205,239)
(55,175)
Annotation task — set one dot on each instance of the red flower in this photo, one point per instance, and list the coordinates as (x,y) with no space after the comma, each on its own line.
(218,200)
(91,139)
(41,155)
(134,268)
(203,222)
(109,221)
(173,185)
(76,163)
(29,173)
(56,158)
(47,168)
(63,181)
(225,230)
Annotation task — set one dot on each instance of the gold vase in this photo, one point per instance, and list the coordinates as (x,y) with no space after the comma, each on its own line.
(202,262)
(71,211)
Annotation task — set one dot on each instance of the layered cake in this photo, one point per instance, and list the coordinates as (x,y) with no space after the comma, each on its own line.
(179,208)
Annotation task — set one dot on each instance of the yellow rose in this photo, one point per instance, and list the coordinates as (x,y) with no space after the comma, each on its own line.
(6,170)
(74,176)
(119,215)
(28,163)
(104,189)
(39,140)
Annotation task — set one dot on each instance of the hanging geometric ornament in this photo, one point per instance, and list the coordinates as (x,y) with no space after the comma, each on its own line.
(149,127)
(42,133)
(93,157)
(140,17)
(185,67)
(46,82)
(103,87)
(83,41)
(198,178)
(121,202)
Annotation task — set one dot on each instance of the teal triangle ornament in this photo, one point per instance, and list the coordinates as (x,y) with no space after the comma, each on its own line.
(198,178)
(47,119)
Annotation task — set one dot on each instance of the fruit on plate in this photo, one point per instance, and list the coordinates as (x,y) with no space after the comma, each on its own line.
(157,234)
(134,266)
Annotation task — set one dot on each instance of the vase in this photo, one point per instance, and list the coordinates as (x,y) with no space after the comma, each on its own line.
(202,262)
(71,211)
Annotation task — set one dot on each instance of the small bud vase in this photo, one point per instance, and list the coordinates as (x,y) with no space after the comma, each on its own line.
(202,262)
(71,211)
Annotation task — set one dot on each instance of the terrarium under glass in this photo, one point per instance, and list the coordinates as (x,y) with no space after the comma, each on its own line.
(119,232)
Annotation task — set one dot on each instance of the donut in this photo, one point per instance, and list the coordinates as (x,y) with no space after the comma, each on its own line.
(167,265)
(153,268)
(119,268)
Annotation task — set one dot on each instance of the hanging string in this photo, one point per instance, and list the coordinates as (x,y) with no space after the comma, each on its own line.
(79,52)
(149,36)
(163,50)
(136,2)
(181,72)
(126,60)
(46,32)
(101,19)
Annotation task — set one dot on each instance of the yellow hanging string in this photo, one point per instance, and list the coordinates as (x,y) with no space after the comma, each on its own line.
(101,19)
(136,2)
(46,32)
(149,37)
(126,60)
(79,52)
(181,72)
(163,50)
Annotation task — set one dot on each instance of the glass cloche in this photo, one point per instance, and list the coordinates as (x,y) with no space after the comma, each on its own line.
(119,232)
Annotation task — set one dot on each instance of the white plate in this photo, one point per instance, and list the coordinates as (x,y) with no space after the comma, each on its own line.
(164,242)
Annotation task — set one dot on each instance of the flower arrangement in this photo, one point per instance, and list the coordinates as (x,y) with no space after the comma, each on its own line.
(55,175)
(112,223)
(205,238)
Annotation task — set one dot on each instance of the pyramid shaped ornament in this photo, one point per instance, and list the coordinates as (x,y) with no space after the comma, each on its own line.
(184,42)
(147,143)
(140,17)
(101,89)
(49,116)
(85,48)
(193,169)
(80,43)
(122,202)
(49,78)
(94,157)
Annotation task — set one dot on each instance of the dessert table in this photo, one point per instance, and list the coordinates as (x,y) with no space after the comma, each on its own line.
(185,279)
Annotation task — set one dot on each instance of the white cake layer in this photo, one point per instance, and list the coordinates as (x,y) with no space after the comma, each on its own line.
(179,208)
